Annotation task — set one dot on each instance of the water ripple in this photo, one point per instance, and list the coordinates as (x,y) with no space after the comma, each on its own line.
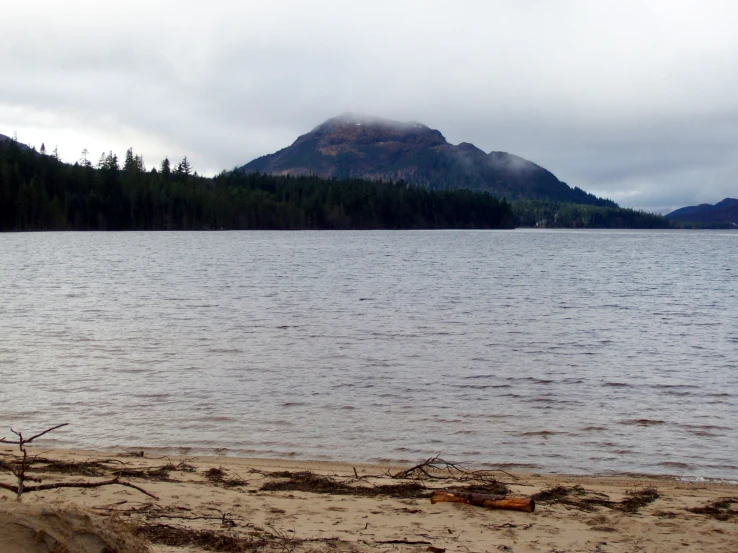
(582,351)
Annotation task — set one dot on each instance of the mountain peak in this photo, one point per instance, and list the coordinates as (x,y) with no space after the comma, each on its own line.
(352,130)
(360,119)
(353,145)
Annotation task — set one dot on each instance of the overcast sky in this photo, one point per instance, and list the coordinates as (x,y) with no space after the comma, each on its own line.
(632,100)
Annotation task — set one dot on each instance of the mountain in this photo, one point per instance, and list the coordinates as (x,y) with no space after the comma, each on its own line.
(353,146)
(725,212)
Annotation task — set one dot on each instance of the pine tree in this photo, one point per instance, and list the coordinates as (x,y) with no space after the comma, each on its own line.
(184,167)
(166,168)
(130,164)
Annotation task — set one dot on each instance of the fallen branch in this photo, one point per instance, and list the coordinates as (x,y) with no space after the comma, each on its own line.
(22,465)
(409,542)
(439,469)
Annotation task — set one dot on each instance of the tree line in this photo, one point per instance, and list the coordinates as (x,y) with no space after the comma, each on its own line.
(550,214)
(40,192)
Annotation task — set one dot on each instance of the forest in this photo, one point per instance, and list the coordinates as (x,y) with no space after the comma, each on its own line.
(550,214)
(40,192)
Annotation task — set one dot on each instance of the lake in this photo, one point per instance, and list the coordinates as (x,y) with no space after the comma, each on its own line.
(542,350)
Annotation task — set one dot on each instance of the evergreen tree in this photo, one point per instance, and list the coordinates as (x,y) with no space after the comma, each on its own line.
(110,162)
(130,164)
(184,167)
(165,168)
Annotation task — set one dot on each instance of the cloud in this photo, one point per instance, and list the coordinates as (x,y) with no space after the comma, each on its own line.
(636,100)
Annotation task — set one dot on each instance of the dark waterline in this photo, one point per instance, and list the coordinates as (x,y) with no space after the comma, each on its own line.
(572,351)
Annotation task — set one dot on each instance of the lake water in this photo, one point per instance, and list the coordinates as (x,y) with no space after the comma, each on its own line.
(551,351)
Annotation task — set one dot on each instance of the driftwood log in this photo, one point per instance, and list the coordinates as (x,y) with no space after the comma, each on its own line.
(524,504)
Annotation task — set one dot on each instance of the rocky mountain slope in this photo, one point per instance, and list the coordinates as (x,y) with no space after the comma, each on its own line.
(352,146)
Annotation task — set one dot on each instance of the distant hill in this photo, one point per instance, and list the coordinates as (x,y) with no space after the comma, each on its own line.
(724,212)
(3,138)
(352,146)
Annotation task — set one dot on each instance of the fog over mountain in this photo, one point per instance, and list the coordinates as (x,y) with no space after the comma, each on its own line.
(635,101)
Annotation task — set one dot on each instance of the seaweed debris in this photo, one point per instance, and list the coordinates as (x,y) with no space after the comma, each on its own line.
(218,476)
(160,474)
(718,509)
(307,481)
(210,540)
(103,467)
(76,468)
(585,500)
(636,499)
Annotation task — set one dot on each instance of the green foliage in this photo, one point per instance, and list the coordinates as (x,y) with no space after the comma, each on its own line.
(42,193)
(687,225)
(549,214)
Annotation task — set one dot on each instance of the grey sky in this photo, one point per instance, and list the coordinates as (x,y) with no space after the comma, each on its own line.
(637,101)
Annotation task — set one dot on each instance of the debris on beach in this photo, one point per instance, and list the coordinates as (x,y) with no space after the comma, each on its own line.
(488,501)
(306,481)
(719,509)
(20,465)
(585,500)
(218,476)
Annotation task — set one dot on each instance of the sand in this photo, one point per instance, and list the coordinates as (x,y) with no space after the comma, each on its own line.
(227,506)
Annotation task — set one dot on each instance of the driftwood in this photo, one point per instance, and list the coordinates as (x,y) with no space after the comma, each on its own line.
(524,504)
(23,463)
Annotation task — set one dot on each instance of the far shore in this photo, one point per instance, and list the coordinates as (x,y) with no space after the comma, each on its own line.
(301,505)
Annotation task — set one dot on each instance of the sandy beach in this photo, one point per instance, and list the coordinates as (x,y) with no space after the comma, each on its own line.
(236,504)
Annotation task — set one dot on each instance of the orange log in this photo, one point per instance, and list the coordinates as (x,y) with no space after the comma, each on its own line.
(524,504)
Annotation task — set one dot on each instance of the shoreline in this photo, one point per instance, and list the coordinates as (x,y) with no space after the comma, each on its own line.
(190,452)
(235,495)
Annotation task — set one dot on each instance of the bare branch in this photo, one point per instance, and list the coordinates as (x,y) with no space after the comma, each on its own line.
(29,440)
(114,481)
(8,487)
(23,463)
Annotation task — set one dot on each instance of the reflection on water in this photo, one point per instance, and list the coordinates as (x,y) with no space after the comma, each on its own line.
(548,350)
